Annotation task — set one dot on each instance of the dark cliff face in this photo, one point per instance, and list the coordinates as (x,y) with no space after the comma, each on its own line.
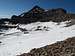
(39,14)
(58,11)
(3,20)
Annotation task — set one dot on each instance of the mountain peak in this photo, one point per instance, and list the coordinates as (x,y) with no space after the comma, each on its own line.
(36,9)
(36,6)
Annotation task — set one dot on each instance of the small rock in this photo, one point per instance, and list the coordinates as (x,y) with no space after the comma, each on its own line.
(0,42)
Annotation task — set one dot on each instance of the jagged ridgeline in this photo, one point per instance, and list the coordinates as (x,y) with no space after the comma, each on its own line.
(42,15)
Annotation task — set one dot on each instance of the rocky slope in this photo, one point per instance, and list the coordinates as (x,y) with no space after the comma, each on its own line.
(39,14)
(61,48)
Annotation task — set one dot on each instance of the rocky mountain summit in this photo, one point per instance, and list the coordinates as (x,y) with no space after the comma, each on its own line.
(39,14)
(61,48)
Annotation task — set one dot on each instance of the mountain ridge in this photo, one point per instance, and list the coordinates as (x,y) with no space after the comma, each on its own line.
(38,14)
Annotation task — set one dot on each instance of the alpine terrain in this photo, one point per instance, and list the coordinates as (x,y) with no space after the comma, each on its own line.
(38,32)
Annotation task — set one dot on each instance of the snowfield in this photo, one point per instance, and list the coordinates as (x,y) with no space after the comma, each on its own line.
(15,42)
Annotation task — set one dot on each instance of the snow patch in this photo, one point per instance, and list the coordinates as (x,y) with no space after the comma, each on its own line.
(19,42)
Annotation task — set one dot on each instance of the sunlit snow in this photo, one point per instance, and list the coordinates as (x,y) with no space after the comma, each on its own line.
(15,42)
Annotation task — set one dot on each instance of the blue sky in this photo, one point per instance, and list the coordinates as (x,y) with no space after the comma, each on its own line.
(16,7)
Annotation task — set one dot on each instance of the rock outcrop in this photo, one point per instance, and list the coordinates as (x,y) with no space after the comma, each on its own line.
(39,14)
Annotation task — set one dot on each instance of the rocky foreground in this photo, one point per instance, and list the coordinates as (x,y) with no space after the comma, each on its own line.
(61,48)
